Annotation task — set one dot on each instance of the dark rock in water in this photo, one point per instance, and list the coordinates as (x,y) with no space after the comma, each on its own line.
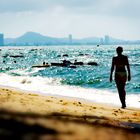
(65,63)
(33,49)
(81,54)
(41,66)
(78,63)
(16,56)
(7,68)
(6,55)
(65,55)
(87,54)
(92,63)
(72,66)
(58,55)
(57,64)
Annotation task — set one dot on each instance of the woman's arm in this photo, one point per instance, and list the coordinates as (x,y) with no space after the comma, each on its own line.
(128,69)
(112,69)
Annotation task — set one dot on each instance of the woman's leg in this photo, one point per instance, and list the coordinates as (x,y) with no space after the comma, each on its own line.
(121,91)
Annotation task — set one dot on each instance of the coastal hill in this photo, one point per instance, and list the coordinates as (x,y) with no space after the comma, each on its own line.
(33,38)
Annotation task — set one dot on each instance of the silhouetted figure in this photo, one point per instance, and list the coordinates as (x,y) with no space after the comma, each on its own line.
(75,61)
(44,63)
(120,63)
(66,63)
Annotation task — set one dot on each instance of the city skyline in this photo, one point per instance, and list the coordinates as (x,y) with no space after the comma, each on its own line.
(37,39)
(81,18)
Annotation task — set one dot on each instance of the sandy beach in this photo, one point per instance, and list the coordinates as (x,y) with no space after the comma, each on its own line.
(32,116)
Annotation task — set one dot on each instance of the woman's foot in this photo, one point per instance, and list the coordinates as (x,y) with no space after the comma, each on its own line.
(123,106)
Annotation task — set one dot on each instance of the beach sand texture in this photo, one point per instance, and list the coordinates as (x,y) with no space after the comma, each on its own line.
(30,116)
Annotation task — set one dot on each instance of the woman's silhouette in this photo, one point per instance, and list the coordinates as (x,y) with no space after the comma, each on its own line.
(120,63)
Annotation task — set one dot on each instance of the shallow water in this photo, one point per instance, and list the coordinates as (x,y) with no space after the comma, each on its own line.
(88,82)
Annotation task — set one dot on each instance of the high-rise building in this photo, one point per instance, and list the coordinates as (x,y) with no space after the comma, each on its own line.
(70,38)
(1,40)
(101,41)
(106,40)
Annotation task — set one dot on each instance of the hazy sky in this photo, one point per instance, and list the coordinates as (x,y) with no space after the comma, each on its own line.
(81,18)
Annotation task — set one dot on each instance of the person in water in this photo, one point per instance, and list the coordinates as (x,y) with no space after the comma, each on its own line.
(120,63)
(66,63)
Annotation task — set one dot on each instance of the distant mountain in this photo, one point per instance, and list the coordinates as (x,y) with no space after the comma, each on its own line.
(32,38)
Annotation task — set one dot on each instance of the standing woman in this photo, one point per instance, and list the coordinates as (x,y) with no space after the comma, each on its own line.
(120,63)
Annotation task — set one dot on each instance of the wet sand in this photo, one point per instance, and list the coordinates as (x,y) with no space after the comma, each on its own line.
(30,116)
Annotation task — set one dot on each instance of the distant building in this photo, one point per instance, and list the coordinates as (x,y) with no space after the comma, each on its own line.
(70,39)
(106,39)
(101,41)
(1,40)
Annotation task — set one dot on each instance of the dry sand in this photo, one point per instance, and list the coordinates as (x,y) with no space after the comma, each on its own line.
(30,116)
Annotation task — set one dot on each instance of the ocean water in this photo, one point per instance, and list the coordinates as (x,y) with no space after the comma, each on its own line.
(86,82)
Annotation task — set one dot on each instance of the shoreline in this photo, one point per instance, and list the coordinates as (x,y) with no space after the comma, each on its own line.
(69,115)
(11,91)
(118,105)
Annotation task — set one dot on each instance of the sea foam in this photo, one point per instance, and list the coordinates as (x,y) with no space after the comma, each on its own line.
(53,86)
